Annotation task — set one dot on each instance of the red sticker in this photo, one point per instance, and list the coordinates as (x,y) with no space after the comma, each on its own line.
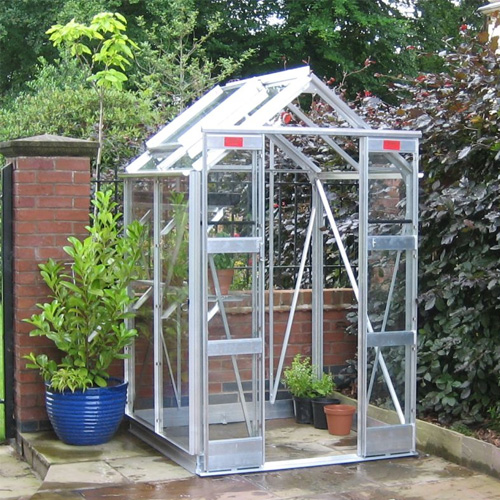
(233,142)
(392,145)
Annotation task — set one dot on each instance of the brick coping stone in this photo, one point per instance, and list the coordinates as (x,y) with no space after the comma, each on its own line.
(49,145)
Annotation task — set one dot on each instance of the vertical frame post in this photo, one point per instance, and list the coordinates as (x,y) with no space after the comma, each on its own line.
(204,422)
(157,277)
(363,295)
(129,365)
(317,283)
(271,266)
(197,312)
(261,233)
(411,182)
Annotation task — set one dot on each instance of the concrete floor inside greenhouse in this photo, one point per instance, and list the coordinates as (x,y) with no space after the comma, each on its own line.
(128,469)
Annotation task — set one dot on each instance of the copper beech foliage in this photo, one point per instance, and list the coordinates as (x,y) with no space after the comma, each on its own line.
(457,111)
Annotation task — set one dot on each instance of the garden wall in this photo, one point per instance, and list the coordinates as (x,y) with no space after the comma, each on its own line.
(51,199)
(338,347)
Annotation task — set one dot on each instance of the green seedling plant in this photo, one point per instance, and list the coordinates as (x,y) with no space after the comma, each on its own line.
(103,50)
(323,386)
(87,316)
(301,381)
(298,377)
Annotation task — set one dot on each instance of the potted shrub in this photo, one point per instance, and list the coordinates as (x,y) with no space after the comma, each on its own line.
(225,271)
(86,320)
(298,378)
(224,266)
(323,389)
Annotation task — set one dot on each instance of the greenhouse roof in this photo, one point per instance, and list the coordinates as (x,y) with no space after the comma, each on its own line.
(257,105)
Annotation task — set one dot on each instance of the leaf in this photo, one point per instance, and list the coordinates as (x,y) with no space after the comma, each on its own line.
(429,304)
(464,152)
(99,381)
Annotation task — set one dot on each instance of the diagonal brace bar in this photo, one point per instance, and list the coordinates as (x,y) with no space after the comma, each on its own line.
(355,289)
(293,307)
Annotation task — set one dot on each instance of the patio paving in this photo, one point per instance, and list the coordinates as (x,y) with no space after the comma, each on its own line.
(128,469)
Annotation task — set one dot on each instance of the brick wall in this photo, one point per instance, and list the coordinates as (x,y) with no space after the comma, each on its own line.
(338,347)
(51,197)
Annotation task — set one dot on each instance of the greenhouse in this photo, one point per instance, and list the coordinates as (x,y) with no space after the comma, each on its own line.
(213,189)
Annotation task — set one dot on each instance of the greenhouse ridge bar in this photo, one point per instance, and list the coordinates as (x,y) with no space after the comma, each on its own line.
(206,371)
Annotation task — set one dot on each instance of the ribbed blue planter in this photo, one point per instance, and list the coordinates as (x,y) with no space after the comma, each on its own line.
(87,418)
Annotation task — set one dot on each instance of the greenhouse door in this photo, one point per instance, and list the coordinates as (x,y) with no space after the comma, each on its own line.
(232,374)
(388,296)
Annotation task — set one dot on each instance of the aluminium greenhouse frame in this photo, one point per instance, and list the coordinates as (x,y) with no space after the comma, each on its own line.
(236,130)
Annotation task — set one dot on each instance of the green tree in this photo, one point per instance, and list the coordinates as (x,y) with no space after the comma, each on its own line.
(22,39)
(334,37)
(104,51)
(174,64)
(172,70)
(442,24)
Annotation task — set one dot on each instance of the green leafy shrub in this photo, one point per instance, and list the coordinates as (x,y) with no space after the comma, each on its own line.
(71,109)
(86,318)
(300,379)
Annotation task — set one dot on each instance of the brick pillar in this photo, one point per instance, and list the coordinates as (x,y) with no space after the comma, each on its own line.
(51,199)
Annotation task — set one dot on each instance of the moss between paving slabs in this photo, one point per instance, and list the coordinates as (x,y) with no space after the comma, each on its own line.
(458,448)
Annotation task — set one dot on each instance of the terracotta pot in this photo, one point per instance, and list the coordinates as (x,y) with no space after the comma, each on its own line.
(225,277)
(339,419)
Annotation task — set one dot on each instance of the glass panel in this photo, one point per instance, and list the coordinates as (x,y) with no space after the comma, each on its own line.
(387,197)
(233,389)
(386,312)
(174,248)
(230,199)
(143,361)
(386,290)
(234,335)
(394,360)
(149,166)
(388,224)
(195,120)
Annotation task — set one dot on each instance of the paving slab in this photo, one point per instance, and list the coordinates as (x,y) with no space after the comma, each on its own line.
(472,488)
(149,469)
(73,476)
(16,477)
(128,469)
(321,483)
(55,451)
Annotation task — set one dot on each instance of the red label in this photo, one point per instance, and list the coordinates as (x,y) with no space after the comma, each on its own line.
(233,142)
(392,145)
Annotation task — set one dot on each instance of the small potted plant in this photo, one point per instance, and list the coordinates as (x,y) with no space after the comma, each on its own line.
(298,378)
(225,271)
(86,320)
(323,388)
(224,266)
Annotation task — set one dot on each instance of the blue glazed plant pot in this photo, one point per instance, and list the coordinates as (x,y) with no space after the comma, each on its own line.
(87,418)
